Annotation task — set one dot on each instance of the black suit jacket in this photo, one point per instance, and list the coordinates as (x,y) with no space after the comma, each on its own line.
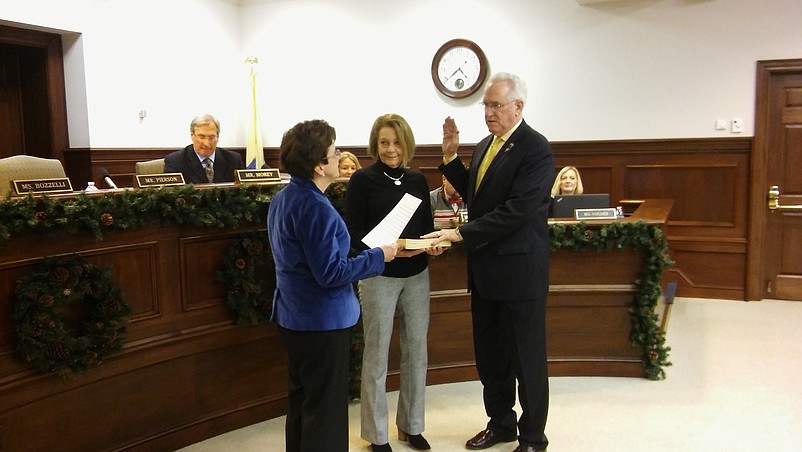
(187,163)
(507,234)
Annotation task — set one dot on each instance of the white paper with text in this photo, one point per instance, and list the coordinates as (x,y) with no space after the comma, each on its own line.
(389,229)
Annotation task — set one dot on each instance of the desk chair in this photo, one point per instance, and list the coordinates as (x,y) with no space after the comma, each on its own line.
(21,167)
(155,166)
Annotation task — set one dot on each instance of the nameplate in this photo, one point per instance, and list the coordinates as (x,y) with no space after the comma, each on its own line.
(39,186)
(596,214)
(255,176)
(159,180)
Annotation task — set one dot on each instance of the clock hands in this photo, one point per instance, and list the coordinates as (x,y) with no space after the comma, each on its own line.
(459,69)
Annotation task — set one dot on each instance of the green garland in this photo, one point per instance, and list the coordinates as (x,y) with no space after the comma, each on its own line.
(132,209)
(653,246)
(224,207)
(249,273)
(59,288)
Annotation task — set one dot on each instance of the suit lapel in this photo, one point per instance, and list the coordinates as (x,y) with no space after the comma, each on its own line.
(497,161)
(195,164)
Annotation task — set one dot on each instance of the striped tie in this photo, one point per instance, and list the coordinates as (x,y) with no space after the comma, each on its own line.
(209,165)
(489,156)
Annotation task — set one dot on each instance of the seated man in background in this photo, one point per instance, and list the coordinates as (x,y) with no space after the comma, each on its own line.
(448,210)
(202,162)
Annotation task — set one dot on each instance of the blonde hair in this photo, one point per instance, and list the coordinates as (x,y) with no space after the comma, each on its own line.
(402,131)
(555,189)
(351,157)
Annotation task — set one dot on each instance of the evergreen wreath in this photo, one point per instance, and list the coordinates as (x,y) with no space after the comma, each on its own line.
(248,271)
(68,315)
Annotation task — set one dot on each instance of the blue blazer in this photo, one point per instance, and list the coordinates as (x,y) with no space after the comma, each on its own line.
(314,275)
(507,235)
(187,163)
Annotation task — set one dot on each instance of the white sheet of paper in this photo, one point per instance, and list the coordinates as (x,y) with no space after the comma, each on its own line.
(389,229)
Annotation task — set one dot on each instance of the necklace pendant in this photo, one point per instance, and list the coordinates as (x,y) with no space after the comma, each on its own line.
(396,180)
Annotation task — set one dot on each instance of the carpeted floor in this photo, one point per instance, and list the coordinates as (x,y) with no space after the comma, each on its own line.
(735,385)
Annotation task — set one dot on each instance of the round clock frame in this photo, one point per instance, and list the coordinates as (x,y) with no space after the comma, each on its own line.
(474,73)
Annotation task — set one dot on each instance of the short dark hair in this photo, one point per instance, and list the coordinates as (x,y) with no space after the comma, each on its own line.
(305,145)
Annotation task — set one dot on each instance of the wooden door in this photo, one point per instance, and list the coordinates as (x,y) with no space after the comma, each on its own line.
(775,257)
(10,107)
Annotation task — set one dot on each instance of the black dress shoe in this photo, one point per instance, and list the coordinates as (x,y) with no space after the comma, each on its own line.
(381,447)
(522,448)
(417,442)
(488,438)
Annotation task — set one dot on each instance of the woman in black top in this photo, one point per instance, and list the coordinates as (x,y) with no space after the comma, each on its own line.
(402,289)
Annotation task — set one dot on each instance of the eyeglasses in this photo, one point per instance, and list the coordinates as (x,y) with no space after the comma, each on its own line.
(337,153)
(206,137)
(495,106)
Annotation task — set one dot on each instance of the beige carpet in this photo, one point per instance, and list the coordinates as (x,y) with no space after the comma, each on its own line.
(735,385)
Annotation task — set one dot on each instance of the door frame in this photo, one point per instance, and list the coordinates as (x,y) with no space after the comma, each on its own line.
(54,85)
(755,266)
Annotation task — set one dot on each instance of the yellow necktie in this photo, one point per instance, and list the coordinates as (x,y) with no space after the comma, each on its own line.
(489,156)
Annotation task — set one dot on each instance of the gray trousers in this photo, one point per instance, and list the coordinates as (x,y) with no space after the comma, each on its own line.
(382,298)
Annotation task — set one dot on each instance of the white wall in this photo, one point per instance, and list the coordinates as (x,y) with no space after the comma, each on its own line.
(627,69)
(175,59)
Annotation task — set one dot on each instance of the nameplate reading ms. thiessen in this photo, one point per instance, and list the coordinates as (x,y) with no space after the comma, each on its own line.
(596,214)
(37,186)
(159,180)
(255,176)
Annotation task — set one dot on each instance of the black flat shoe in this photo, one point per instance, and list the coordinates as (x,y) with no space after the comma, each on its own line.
(417,442)
(381,447)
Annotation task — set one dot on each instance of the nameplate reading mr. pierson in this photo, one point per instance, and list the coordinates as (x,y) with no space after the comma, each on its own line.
(159,180)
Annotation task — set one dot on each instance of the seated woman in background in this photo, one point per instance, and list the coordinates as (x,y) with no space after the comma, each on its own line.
(348,164)
(567,182)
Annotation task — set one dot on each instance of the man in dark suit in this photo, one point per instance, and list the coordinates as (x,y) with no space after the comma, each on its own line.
(507,189)
(202,162)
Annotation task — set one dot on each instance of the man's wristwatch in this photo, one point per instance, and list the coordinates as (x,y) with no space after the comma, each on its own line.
(458,233)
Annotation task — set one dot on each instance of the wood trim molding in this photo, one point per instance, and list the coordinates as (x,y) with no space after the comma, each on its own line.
(706,239)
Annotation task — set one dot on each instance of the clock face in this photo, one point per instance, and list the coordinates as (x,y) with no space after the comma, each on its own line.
(459,68)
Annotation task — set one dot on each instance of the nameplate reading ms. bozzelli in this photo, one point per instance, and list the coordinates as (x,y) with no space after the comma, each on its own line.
(596,214)
(255,176)
(38,186)
(159,180)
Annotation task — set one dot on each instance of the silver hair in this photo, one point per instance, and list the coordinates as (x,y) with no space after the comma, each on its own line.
(517,85)
(202,120)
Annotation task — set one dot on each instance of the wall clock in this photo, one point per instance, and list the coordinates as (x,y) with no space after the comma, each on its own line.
(459,68)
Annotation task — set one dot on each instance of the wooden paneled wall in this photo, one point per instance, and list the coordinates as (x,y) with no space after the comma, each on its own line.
(706,177)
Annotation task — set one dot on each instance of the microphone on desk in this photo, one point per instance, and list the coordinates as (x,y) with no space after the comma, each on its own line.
(103,173)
